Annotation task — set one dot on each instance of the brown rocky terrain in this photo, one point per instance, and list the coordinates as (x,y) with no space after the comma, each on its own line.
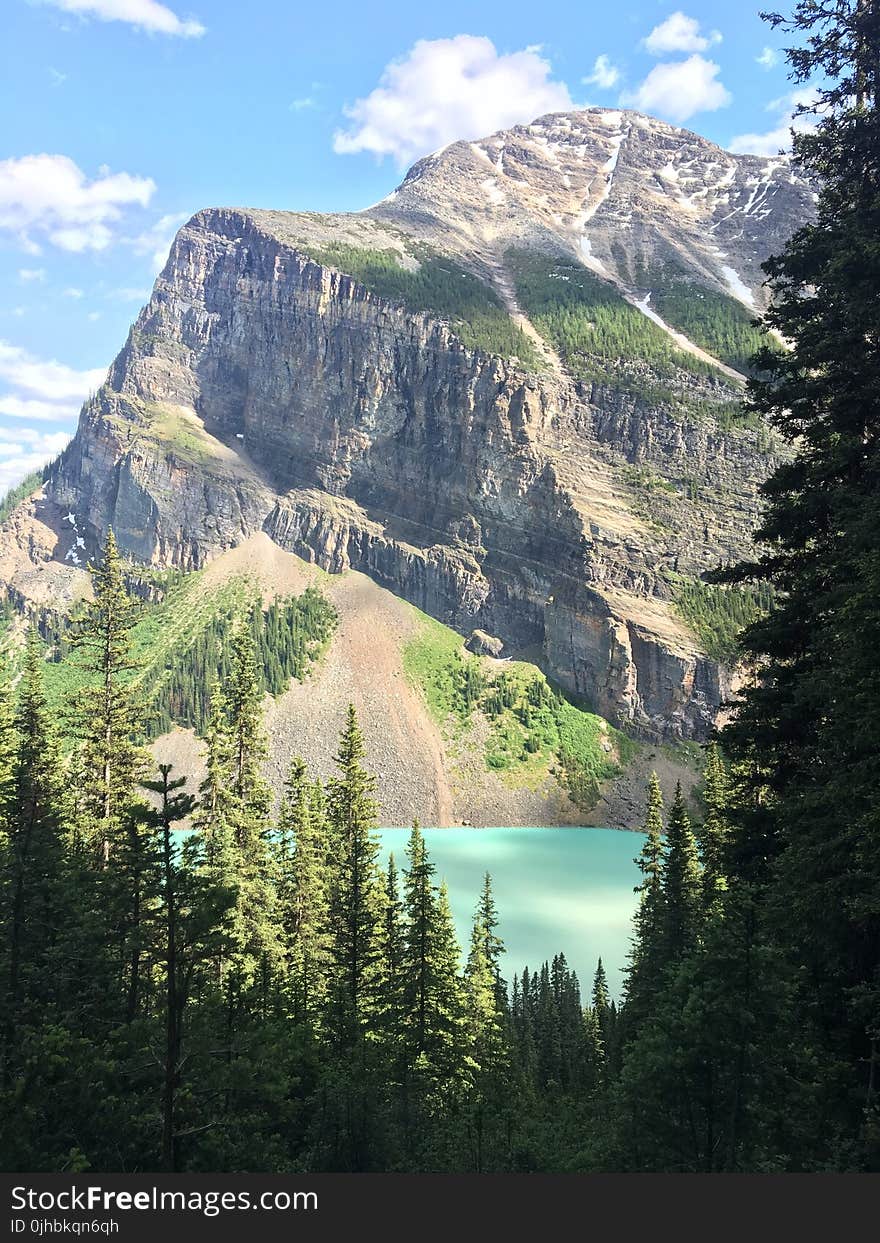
(422,772)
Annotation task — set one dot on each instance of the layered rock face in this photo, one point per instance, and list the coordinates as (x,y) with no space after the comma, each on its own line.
(263,388)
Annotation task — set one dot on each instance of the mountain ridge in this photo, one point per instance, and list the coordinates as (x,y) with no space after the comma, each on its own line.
(554,501)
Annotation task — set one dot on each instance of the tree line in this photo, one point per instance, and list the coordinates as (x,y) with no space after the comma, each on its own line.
(212,982)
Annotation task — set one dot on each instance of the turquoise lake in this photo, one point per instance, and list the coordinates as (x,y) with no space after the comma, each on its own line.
(556,889)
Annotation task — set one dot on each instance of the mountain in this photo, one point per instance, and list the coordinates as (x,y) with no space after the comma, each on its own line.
(509,393)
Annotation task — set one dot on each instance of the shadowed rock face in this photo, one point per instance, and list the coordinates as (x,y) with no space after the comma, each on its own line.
(261,389)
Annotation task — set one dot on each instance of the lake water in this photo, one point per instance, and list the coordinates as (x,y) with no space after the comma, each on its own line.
(555,889)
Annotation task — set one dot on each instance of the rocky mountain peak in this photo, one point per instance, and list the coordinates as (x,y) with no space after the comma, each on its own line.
(625,193)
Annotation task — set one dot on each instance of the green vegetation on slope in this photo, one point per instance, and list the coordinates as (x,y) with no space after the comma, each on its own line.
(438,287)
(718,614)
(597,333)
(531,723)
(181,646)
(717,323)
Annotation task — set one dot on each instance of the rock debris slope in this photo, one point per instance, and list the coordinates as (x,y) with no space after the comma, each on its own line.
(508,392)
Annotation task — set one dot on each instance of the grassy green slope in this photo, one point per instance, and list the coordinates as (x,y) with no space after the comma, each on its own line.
(531,729)
(717,323)
(181,643)
(438,287)
(599,335)
(718,614)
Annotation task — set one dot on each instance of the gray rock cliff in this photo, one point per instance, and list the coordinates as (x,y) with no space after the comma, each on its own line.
(264,388)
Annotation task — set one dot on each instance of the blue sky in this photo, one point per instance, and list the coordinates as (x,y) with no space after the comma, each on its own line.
(123,117)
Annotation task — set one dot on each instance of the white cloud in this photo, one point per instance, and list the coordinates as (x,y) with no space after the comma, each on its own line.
(49,443)
(32,408)
(679,33)
(58,78)
(93,315)
(143,14)
(48,380)
(604,75)
(73,292)
(18,460)
(302,105)
(445,89)
(768,58)
(51,195)
(680,89)
(38,391)
(778,137)
(156,241)
(29,275)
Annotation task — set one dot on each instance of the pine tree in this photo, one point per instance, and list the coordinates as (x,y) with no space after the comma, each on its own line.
(33,861)
(446,1032)
(303,904)
(493,946)
(601,998)
(234,819)
(355,887)
(105,714)
(807,730)
(191,927)
(712,833)
(432,987)
(8,747)
(486,1028)
(421,917)
(213,818)
(390,966)
(174,807)
(680,881)
(643,976)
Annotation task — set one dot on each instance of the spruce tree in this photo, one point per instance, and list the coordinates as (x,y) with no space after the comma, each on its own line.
(712,832)
(643,976)
(807,730)
(8,747)
(105,713)
(174,806)
(486,1029)
(234,819)
(33,880)
(355,886)
(433,995)
(493,946)
(302,898)
(681,885)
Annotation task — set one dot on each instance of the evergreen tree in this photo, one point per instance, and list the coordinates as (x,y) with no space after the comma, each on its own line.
(303,905)
(33,862)
(601,1006)
(646,957)
(601,998)
(234,817)
(680,882)
(391,988)
(806,733)
(8,747)
(105,713)
(486,919)
(174,806)
(355,886)
(712,833)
